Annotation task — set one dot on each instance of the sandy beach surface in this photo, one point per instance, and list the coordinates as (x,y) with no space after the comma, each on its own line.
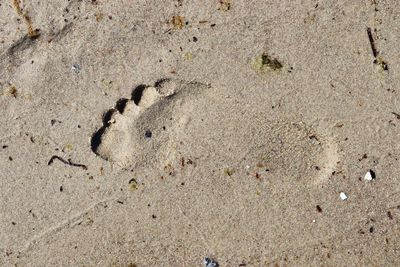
(159,133)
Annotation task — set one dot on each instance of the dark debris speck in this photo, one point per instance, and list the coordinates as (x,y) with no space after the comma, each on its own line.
(390,216)
(319,209)
(148,134)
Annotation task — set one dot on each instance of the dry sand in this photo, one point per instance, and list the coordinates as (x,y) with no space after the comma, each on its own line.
(158,133)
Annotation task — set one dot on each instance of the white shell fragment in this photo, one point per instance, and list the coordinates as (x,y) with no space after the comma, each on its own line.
(343,196)
(369,176)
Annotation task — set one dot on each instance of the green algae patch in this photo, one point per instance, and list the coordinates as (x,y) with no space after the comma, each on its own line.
(187,56)
(265,62)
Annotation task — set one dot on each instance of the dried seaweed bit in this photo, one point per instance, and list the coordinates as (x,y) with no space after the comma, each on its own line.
(225,5)
(68,162)
(272,63)
(12,91)
(397,115)
(183,162)
(177,22)
(261,63)
(229,171)
(208,262)
(382,63)
(99,16)
(132,184)
(32,33)
(378,59)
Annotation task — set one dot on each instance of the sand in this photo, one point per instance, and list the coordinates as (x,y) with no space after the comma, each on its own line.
(155,133)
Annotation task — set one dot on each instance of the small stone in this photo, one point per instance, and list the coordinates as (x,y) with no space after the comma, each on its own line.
(210,262)
(369,176)
(343,196)
(148,134)
(76,68)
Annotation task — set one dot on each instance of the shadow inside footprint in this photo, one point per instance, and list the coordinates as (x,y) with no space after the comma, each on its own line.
(95,141)
(137,93)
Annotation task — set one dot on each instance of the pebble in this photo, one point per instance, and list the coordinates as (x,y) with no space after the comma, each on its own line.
(210,262)
(369,176)
(76,68)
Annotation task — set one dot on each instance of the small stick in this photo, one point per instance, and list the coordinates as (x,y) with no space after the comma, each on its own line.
(372,42)
(397,115)
(68,162)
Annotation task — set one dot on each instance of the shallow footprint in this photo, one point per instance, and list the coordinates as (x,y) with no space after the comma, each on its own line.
(173,117)
(128,128)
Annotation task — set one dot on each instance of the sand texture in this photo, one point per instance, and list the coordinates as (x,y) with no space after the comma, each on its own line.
(158,133)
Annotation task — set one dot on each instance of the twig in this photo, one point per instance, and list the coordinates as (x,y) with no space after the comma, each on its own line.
(372,42)
(68,162)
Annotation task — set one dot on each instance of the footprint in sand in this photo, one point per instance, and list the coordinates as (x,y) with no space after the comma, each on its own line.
(224,163)
(175,117)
